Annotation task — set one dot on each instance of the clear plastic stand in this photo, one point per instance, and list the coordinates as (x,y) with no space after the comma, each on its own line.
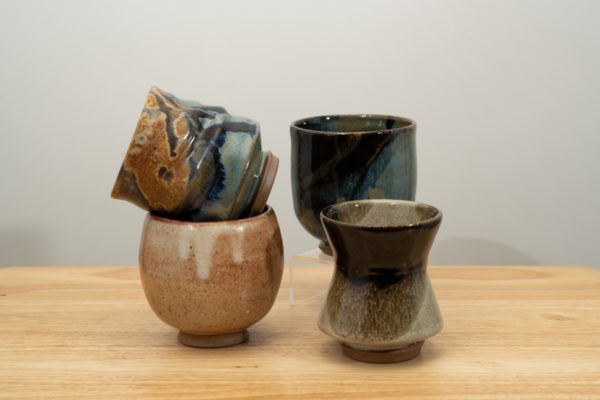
(304,288)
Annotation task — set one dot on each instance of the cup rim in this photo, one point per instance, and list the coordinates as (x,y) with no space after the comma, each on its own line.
(410,126)
(426,223)
(265,214)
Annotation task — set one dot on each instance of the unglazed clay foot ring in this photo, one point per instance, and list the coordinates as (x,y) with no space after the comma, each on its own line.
(384,357)
(266,183)
(212,341)
(325,248)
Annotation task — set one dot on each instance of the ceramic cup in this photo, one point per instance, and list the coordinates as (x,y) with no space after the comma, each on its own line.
(189,161)
(211,280)
(350,157)
(380,304)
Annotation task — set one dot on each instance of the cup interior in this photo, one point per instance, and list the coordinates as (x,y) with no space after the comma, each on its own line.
(353,123)
(169,219)
(382,214)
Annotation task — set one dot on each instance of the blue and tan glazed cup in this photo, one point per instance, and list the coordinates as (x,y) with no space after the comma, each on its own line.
(381,305)
(350,157)
(189,161)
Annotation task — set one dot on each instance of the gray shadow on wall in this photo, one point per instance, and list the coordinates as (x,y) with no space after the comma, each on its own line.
(23,246)
(475,251)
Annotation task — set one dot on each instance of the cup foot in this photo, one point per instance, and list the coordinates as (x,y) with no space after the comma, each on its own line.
(265,183)
(386,356)
(212,341)
(325,248)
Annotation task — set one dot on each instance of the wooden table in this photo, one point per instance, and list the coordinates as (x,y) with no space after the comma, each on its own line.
(510,332)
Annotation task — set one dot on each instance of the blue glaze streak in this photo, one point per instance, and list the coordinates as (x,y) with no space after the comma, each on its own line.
(220,175)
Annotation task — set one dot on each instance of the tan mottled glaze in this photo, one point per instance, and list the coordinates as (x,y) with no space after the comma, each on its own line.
(211,278)
(371,319)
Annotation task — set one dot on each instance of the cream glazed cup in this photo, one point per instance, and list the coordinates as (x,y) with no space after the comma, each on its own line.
(211,280)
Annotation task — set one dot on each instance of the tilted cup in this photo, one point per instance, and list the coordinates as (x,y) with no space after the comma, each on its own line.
(380,304)
(350,157)
(189,161)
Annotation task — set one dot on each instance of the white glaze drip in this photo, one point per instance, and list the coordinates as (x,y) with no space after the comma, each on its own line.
(202,252)
(202,247)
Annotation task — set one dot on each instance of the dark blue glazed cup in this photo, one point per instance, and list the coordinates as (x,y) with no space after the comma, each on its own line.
(350,157)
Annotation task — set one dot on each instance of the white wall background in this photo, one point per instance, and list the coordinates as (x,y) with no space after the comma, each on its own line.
(506,95)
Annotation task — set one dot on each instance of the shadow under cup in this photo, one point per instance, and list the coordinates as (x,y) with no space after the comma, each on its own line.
(350,157)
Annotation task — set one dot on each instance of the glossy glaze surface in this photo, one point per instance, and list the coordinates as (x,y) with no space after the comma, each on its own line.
(211,278)
(190,161)
(380,296)
(347,157)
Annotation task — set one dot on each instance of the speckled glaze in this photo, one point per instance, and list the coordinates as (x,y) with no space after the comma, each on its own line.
(189,161)
(211,280)
(380,301)
(350,157)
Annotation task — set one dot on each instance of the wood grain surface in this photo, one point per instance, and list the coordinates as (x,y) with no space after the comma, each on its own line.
(510,332)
